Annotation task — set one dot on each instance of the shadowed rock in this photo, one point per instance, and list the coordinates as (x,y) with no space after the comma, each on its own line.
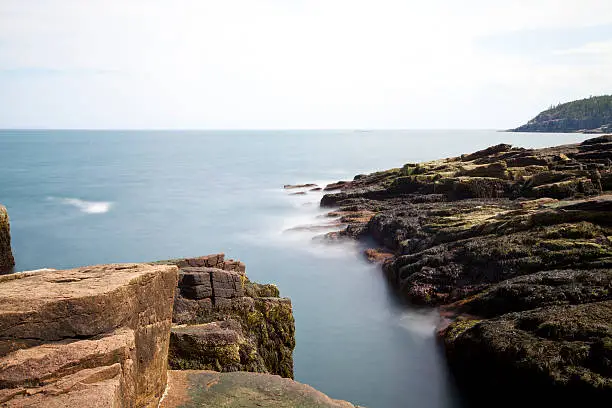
(227,323)
(499,237)
(7,262)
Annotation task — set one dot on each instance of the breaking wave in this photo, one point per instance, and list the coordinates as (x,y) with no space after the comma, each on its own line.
(89,207)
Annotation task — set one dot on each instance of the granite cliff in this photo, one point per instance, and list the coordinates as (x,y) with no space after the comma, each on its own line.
(105,335)
(225,322)
(6,255)
(514,246)
(93,336)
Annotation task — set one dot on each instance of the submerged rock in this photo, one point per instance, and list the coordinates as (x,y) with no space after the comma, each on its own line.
(7,262)
(498,238)
(294,186)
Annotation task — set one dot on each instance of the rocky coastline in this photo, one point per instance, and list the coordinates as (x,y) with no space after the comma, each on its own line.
(182,332)
(514,246)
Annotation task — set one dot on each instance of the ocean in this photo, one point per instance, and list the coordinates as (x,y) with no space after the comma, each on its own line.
(79,197)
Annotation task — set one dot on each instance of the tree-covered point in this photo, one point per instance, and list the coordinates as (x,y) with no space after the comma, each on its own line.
(592,115)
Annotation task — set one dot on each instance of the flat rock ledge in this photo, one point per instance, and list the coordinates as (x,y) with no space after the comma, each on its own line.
(95,336)
(205,389)
(7,262)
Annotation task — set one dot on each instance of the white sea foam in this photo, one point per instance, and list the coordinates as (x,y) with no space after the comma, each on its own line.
(421,323)
(89,207)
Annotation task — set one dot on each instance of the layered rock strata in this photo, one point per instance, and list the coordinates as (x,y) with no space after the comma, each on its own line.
(515,245)
(225,322)
(7,262)
(99,336)
(94,336)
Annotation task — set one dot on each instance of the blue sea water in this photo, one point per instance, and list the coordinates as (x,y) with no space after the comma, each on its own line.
(88,197)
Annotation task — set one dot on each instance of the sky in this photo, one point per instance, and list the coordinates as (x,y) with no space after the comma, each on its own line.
(297,64)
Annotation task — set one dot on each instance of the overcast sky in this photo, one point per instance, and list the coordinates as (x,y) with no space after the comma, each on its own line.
(298,63)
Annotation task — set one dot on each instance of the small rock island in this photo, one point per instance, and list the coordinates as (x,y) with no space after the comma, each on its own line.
(590,115)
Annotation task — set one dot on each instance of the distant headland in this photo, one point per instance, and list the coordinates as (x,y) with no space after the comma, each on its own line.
(590,115)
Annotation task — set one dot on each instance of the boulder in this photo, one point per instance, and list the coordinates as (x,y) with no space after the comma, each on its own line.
(495,170)
(7,262)
(94,336)
(489,151)
(337,185)
(225,322)
(559,355)
(219,346)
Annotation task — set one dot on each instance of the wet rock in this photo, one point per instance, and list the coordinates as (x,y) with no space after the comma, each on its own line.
(336,186)
(377,255)
(496,237)
(294,186)
(316,227)
(560,355)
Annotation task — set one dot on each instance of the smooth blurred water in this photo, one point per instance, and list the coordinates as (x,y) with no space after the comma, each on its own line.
(86,197)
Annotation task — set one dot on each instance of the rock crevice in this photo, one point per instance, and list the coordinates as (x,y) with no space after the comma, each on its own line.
(515,246)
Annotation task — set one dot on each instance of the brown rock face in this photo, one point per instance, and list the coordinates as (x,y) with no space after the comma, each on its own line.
(227,323)
(6,255)
(93,336)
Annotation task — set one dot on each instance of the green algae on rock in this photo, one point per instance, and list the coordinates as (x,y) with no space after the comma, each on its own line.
(501,237)
(227,323)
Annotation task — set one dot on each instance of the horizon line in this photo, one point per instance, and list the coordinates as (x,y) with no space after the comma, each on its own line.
(234,129)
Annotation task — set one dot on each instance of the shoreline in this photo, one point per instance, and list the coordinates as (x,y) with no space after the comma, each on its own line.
(535,225)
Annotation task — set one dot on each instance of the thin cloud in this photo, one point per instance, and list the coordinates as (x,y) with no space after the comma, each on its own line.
(316,64)
(45,71)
